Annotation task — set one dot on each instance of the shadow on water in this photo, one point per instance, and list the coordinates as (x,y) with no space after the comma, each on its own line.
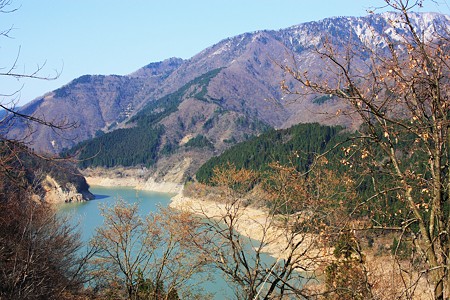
(99,197)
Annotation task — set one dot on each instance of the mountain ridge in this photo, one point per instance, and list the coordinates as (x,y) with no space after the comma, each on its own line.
(247,87)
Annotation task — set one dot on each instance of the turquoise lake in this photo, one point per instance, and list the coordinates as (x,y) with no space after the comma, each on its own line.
(87,215)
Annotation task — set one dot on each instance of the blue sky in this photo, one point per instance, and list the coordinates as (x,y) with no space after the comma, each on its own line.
(118,37)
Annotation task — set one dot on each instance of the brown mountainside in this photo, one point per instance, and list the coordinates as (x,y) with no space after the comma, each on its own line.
(246,87)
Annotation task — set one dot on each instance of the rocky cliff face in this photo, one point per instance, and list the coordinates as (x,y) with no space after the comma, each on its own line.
(54,192)
(52,181)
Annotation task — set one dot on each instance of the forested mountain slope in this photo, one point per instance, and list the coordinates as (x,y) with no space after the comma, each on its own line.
(296,146)
(242,90)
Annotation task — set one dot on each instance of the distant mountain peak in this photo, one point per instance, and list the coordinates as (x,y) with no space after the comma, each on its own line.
(156,68)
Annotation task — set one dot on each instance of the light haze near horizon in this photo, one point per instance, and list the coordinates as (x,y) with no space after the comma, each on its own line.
(73,38)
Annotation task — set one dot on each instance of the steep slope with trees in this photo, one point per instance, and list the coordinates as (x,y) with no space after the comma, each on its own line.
(248,83)
(91,102)
(298,146)
(244,90)
(397,89)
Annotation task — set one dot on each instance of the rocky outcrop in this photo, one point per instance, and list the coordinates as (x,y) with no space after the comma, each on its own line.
(53,192)
(51,180)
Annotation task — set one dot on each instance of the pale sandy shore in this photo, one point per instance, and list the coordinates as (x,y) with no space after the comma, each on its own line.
(252,223)
(147,185)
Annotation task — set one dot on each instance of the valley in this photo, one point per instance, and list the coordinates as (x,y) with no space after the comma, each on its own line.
(324,144)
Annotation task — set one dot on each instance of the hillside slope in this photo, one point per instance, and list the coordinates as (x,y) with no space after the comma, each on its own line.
(244,91)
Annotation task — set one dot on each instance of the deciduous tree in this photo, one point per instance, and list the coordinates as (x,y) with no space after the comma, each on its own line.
(243,260)
(39,251)
(398,85)
(146,257)
(40,255)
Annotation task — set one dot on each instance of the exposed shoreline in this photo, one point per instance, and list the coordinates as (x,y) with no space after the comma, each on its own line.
(138,184)
(251,224)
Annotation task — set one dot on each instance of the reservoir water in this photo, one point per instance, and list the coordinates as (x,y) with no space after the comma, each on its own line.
(87,215)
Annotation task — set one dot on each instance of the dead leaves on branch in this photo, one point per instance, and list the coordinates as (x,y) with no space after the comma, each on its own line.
(157,249)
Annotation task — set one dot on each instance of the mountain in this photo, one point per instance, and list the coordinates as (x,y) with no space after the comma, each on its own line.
(91,103)
(213,100)
(183,128)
